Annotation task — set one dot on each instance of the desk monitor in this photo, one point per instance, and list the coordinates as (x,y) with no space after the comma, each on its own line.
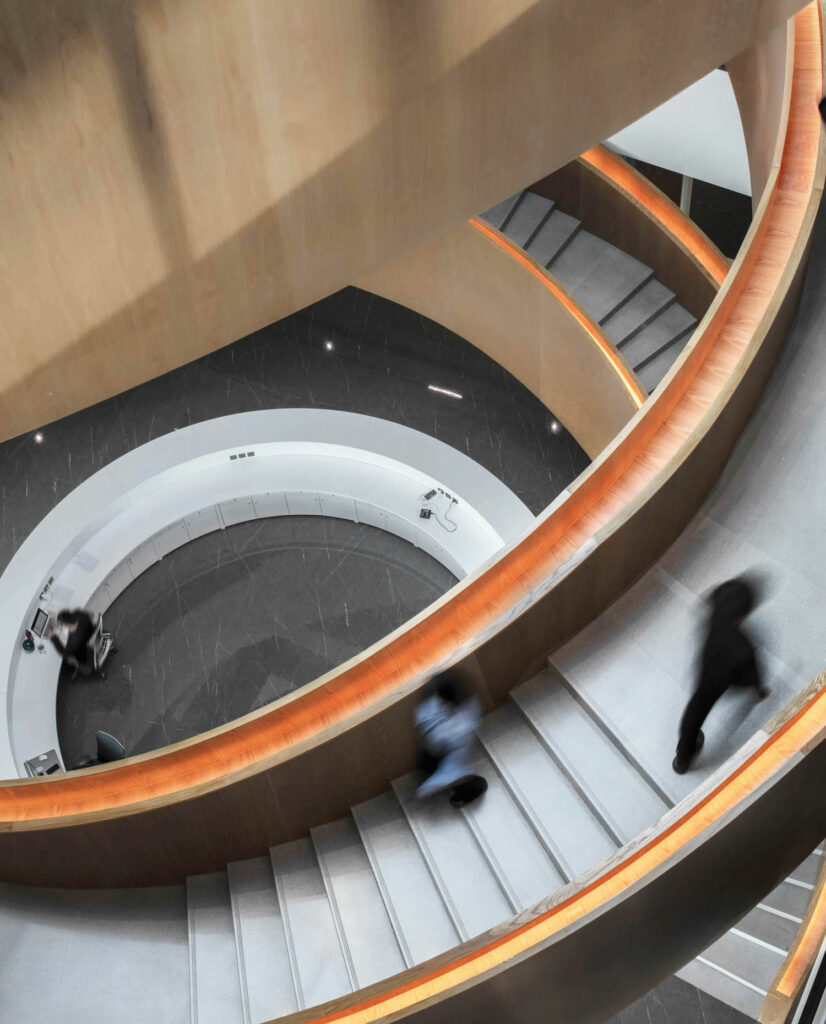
(39,623)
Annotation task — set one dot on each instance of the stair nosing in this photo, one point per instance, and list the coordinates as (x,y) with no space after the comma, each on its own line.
(239,950)
(492,860)
(542,221)
(384,892)
(748,937)
(193,988)
(288,932)
(338,924)
(730,974)
(514,208)
(432,867)
(558,859)
(637,288)
(596,715)
(669,344)
(669,302)
(582,789)
(550,262)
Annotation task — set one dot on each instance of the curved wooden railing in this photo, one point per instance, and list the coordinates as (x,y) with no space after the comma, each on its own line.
(268,777)
(787,986)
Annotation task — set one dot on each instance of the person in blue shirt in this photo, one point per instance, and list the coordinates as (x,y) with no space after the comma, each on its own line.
(447,718)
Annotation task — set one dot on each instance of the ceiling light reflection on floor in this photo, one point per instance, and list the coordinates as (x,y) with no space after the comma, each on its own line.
(443,391)
(38,438)
(329,346)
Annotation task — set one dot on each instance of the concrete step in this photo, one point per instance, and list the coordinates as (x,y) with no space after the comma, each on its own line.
(612,787)
(357,902)
(728,989)
(614,683)
(267,988)
(469,886)
(558,231)
(215,985)
(647,303)
(498,215)
(666,329)
(600,276)
(789,898)
(521,864)
(527,218)
(320,966)
(570,831)
(777,929)
(747,957)
(415,906)
(809,870)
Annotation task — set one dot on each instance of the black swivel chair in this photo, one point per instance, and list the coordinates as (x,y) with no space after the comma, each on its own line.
(109,749)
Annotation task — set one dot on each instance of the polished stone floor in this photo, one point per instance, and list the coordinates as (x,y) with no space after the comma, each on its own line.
(383,358)
(234,620)
(237,619)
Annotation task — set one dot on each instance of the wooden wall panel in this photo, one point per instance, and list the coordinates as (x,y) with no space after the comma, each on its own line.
(582,191)
(475,288)
(754,76)
(175,175)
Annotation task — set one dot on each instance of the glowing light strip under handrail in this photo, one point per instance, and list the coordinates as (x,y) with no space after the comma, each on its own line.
(618,365)
(662,209)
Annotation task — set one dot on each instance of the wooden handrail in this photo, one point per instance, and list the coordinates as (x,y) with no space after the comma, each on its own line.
(791,734)
(795,969)
(616,485)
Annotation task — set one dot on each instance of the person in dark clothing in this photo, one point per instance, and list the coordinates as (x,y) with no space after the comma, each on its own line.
(446,721)
(79,628)
(727,659)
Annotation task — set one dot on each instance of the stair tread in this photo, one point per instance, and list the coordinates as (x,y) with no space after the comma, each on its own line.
(527,217)
(598,763)
(663,330)
(617,682)
(309,923)
(498,215)
(599,275)
(472,887)
(751,961)
(266,979)
(417,906)
(571,826)
(368,930)
(634,314)
(722,987)
(809,870)
(529,871)
(554,234)
(791,899)
(779,931)
(216,986)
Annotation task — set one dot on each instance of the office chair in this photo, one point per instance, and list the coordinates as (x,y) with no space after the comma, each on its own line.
(101,646)
(109,749)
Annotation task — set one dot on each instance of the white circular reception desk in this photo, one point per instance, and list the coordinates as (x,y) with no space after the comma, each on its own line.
(211,475)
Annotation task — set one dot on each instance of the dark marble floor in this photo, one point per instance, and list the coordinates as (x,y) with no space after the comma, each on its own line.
(382,359)
(674,1001)
(238,618)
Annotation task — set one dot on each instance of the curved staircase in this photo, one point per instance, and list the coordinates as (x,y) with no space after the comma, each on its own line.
(638,313)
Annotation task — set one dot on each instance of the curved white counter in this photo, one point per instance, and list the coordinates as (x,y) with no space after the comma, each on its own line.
(130,514)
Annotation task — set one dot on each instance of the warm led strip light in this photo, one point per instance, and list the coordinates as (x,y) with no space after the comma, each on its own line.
(618,365)
(668,216)
(790,739)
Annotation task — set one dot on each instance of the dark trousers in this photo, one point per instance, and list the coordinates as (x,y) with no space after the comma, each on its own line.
(695,714)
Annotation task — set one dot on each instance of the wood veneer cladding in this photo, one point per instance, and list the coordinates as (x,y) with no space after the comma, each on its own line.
(605,209)
(231,792)
(481,293)
(177,175)
(755,75)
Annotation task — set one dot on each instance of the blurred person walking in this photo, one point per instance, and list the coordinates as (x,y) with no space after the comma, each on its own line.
(447,718)
(727,659)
